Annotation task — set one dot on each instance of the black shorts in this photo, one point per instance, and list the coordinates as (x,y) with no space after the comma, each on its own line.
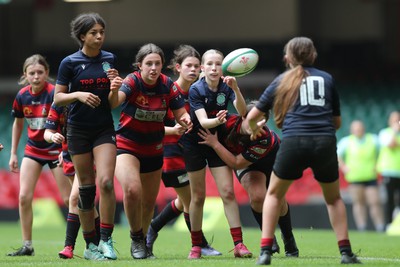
(199,156)
(81,141)
(147,164)
(52,163)
(263,165)
(175,180)
(300,152)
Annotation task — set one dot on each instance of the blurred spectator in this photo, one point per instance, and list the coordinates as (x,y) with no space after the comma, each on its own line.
(389,163)
(357,156)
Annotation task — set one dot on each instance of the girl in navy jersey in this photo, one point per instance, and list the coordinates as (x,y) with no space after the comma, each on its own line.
(33,103)
(185,63)
(209,98)
(83,83)
(306,106)
(55,133)
(252,161)
(145,95)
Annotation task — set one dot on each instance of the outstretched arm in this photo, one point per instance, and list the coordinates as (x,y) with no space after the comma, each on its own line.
(234,162)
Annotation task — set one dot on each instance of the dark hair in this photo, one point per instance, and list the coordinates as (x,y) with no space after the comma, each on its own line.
(181,53)
(145,50)
(83,23)
(32,60)
(299,52)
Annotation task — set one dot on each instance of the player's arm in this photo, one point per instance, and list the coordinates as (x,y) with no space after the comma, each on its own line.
(337,122)
(207,123)
(176,130)
(233,161)
(17,129)
(183,118)
(52,136)
(239,102)
(116,97)
(63,98)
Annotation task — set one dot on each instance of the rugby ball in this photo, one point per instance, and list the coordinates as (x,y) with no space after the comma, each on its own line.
(240,62)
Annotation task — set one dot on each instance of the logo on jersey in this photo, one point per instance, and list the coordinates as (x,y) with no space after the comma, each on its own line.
(27,111)
(106,66)
(174,88)
(142,100)
(83,66)
(221,98)
(44,111)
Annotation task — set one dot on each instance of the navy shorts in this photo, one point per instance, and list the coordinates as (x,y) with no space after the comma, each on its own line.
(83,140)
(52,163)
(147,164)
(175,179)
(300,152)
(199,156)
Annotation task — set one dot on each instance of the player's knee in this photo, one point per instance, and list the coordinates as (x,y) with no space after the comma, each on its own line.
(106,185)
(87,194)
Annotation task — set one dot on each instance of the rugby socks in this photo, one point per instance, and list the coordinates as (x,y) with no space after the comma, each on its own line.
(345,247)
(237,235)
(258,216)
(266,244)
(196,238)
(137,235)
(97,227)
(90,237)
(28,244)
(106,231)
(285,224)
(169,213)
(73,225)
(204,241)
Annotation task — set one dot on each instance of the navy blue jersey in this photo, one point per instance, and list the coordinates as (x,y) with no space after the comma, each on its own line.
(88,74)
(312,113)
(200,96)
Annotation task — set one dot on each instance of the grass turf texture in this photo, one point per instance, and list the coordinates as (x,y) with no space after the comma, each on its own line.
(317,248)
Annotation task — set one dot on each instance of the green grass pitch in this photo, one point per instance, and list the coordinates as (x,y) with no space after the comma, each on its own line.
(317,248)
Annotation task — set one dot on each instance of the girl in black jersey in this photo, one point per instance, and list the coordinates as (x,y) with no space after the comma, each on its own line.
(306,106)
(83,83)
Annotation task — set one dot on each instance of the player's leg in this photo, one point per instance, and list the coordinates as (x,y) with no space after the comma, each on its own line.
(224,180)
(105,160)
(29,174)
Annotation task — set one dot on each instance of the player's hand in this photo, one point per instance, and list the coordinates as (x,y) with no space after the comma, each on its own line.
(116,84)
(112,73)
(57,138)
(13,164)
(208,138)
(258,130)
(89,99)
(230,81)
(187,122)
(221,116)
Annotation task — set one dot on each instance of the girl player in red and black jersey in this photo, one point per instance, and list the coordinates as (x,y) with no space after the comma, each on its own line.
(252,161)
(186,64)
(146,95)
(33,103)
(55,133)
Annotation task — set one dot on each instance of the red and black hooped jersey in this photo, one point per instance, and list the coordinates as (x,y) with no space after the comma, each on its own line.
(252,151)
(141,123)
(173,154)
(35,109)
